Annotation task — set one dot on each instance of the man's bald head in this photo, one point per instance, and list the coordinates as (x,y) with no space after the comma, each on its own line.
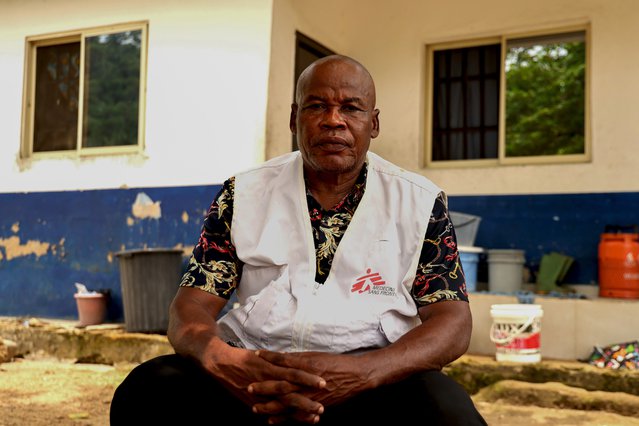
(342,65)
(334,117)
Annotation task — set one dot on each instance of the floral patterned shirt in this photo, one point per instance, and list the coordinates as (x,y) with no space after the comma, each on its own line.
(214,266)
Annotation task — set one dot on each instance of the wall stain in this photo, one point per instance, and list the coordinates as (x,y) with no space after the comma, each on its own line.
(145,208)
(58,249)
(186,250)
(13,248)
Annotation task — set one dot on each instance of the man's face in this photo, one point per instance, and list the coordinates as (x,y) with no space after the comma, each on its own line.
(334,117)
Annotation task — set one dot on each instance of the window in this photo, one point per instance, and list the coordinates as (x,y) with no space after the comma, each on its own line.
(509,100)
(84,92)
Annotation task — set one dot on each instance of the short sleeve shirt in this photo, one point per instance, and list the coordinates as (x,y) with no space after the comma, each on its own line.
(214,266)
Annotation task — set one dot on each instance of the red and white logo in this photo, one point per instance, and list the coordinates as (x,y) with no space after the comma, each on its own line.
(373,283)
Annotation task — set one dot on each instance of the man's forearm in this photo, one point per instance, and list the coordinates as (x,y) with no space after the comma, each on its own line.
(443,336)
(192,326)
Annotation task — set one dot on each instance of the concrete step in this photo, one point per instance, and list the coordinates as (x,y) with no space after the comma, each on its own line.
(502,389)
(476,372)
(101,344)
(558,395)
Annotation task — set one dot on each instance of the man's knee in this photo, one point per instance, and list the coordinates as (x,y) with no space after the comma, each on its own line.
(447,398)
(154,383)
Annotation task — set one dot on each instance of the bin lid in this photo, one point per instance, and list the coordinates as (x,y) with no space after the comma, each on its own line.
(129,253)
(470,249)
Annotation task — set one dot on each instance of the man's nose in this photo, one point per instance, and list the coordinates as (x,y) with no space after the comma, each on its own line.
(333,117)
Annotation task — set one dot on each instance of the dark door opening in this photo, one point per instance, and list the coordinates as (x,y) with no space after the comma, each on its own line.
(307,51)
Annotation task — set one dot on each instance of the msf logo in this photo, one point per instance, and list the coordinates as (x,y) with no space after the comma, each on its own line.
(372,283)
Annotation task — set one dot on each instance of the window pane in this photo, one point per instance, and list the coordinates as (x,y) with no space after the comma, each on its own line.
(440,121)
(473,63)
(474,144)
(465,103)
(111,89)
(456,106)
(456,63)
(474,104)
(491,102)
(545,95)
(492,61)
(55,125)
(440,145)
(440,64)
(490,144)
(457,146)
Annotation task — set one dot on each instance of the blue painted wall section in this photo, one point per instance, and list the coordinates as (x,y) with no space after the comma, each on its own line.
(570,224)
(50,240)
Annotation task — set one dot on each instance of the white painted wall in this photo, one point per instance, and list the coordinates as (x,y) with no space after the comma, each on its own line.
(389,37)
(208,64)
(220,84)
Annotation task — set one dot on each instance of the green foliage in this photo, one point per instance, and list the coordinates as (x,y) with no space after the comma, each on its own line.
(545,99)
(112,83)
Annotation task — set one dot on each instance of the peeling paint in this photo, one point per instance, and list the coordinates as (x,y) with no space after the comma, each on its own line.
(130,221)
(58,248)
(15,227)
(186,250)
(13,248)
(145,208)
(185,217)
(110,257)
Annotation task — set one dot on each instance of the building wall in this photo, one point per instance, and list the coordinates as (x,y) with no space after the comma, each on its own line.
(208,64)
(538,208)
(219,89)
(51,240)
(390,38)
(63,220)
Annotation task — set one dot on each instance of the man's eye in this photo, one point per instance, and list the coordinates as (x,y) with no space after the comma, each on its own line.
(350,108)
(314,107)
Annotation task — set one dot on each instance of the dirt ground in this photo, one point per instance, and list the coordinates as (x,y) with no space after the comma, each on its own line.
(51,392)
(40,392)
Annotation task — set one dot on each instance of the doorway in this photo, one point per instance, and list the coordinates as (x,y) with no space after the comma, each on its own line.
(307,51)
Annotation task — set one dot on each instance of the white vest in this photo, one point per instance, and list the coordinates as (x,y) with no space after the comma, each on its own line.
(365,301)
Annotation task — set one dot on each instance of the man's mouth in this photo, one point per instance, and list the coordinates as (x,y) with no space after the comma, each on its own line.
(332,145)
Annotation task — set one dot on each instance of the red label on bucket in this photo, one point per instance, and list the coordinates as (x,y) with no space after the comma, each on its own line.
(532,341)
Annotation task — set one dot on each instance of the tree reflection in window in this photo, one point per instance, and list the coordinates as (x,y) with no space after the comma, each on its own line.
(545,96)
(111,89)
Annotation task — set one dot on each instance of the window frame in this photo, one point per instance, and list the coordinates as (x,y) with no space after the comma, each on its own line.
(501,143)
(28,102)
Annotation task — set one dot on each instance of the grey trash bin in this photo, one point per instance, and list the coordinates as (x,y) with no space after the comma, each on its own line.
(149,280)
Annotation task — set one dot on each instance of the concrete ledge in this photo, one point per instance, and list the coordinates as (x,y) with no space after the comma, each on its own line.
(104,344)
(558,395)
(477,372)
(545,384)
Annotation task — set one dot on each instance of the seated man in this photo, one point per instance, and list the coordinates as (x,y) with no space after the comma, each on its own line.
(351,295)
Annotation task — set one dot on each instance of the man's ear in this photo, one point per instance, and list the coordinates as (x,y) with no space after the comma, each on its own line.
(375,129)
(292,119)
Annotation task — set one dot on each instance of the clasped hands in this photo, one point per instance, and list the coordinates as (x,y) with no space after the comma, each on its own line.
(302,384)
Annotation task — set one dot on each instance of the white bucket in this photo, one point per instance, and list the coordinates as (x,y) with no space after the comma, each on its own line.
(516,332)
(505,270)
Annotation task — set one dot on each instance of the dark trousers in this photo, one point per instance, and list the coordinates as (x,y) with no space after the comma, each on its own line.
(172,390)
